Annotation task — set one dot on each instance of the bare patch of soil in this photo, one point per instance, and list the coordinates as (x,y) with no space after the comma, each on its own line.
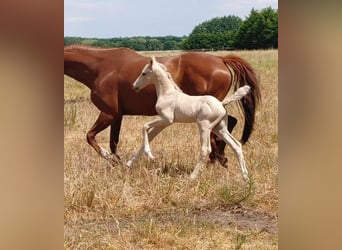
(243,219)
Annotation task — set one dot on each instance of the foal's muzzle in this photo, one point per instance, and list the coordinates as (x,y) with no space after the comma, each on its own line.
(136,88)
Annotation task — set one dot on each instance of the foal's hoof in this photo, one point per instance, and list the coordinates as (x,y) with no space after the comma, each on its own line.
(129,164)
(246,176)
(151,157)
(192,177)
(222,160)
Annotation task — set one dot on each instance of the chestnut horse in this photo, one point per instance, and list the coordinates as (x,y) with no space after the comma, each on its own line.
(110,73)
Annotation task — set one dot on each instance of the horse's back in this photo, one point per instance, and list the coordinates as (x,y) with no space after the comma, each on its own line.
(200,74)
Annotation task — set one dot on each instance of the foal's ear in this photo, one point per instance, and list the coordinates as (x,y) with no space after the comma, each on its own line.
(152,62)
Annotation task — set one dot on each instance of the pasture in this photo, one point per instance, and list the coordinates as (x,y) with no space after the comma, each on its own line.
(156,206)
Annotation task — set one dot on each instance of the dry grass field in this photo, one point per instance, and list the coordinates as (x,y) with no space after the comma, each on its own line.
(156,206)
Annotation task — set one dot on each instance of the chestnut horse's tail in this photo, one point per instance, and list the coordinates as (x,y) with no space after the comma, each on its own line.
(245,75)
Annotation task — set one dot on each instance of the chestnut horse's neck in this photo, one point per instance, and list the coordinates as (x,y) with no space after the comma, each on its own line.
(84,64)
(81,67)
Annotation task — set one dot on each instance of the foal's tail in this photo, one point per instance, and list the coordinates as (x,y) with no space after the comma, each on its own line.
(243,74)
(241,92)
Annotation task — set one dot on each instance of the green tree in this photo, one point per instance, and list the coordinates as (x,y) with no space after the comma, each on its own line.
(259,30)
(216,33)
(72,40)
(153,44)
(218,25)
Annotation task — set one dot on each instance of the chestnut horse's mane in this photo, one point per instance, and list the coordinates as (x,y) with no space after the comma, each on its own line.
(87,47)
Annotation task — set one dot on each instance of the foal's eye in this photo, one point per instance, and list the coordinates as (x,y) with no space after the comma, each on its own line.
(143,74)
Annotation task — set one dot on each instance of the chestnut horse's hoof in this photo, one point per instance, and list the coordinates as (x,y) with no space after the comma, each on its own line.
(223,161)
(114,159)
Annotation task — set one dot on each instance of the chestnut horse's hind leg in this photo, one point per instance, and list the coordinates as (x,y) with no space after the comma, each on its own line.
(102,122)
(218,145)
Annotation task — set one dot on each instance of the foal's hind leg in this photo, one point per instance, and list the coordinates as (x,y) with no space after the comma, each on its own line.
(222,132)
(218,145)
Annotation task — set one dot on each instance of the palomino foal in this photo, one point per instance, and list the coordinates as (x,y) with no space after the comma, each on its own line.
(175,106)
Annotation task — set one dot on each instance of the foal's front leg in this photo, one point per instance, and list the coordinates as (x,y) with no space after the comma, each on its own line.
(150,131)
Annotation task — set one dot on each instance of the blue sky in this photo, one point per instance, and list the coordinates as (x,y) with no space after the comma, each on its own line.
(126,18)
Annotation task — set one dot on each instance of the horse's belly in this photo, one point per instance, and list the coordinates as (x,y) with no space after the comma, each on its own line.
(187,115)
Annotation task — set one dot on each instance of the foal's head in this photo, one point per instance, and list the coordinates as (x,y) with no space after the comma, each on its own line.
(149,75)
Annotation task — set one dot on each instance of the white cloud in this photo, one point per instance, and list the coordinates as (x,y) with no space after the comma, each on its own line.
(243,7)
(77,19)
(259,2)
(80,4)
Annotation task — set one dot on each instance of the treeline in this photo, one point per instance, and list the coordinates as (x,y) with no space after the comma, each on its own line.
(137,43)
(258,31)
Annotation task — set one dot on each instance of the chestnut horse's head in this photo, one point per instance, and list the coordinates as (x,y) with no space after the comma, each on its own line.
(146,76)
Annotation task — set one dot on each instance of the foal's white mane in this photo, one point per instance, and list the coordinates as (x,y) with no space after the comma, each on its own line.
(168,75)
